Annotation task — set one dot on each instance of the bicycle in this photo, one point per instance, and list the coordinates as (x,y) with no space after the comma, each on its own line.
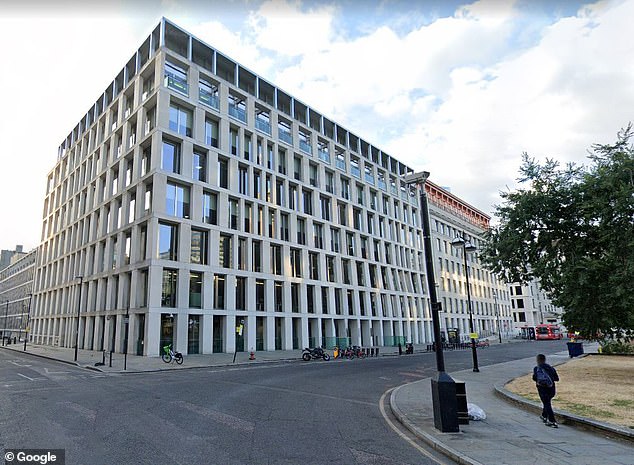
(169,355)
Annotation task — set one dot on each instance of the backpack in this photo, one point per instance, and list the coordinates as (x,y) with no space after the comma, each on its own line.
(543,378)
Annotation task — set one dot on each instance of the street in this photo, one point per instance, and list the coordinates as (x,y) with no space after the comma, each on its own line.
(275,413)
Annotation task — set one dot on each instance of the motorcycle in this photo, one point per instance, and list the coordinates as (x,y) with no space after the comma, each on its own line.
(314,354)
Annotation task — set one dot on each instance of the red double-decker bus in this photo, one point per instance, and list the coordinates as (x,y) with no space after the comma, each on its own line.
(548,332)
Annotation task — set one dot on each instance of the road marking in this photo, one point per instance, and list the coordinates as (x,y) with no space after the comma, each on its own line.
(55,372)
(19,365)
(224,418)
(403,435)
(384,377)
(24,376)
(409,374)
(83,411)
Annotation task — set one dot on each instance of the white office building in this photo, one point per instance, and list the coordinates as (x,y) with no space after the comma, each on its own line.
(198,197)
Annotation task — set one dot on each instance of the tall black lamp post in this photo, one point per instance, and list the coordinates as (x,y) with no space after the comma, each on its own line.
(443,387)
(497,315)
(461,243)
(81,281)
(28,321)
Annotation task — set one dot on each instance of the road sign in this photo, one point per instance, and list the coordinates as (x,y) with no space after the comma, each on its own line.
(473,335)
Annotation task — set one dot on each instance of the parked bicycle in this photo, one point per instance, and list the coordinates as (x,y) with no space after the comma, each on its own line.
(170,355)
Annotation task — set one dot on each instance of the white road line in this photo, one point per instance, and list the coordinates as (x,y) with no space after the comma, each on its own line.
(55,372)
(19,365)
(224,418)
(400,433)
(24,376)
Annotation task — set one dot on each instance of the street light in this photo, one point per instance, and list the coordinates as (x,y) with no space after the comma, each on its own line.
(497,315)
(81,280)
(28,321)
(6,311)
(460,242)
(443,387)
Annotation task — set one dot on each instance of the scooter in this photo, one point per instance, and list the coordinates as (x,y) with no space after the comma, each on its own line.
(314,354)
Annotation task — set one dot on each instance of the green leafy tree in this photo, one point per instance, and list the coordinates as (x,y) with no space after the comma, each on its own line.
(572,228)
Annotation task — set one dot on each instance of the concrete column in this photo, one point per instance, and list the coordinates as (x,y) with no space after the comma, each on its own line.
(287,333)
(230,334)
(206,333)
(269,336)
(304,329)
(251,329)
(180,332)
(355,332)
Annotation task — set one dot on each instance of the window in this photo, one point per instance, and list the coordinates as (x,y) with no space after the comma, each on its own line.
(176,78)
(292,197)
(345,268)
(310,299)
(281,161)
(259,295)
(241,293)
(330,267)
(276,259)
(198,250)
(208,93)
(345,189)
(171,158)
(146,159)
(223,173)
(313,262)
(168,242)
(325,208)
(177,200)
(243,180)
(242,253)
(308,202)
(210,208)
(195,290)
(278,296)
(343,217)
(224,251)
(330,182)
(199,167)
(211,132)
(360,194)
(233,140)
(335,240)
(301,231)
(284,227)
(180,120)
(234,214)
(296,263)
(295,297)
(256,256)
(318,235)
(219,291)
(312,170)
(297,168)
(169,288)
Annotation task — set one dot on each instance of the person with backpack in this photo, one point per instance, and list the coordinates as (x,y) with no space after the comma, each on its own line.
(545,378)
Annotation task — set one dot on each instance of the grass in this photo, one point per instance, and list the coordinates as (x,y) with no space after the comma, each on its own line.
(598,387)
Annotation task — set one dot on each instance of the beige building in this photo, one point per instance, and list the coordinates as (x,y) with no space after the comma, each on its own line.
(452,217)
(16,288)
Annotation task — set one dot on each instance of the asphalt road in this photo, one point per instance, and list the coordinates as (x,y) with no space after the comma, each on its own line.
(279,413)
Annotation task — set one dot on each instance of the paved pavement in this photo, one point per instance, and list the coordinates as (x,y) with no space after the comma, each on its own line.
(509,435)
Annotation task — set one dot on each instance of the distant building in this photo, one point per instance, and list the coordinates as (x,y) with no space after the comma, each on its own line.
(450,217)
(16,288)
(531,306)
(9,256)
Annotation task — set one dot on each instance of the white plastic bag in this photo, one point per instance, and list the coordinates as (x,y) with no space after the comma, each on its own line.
(475,412)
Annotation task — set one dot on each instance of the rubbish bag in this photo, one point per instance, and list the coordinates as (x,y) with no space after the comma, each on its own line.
(475,412)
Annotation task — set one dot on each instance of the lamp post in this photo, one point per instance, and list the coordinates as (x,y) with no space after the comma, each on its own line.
(497,315)
(6,311)
(443,387)
(28,321)
(81,281)
(460,242)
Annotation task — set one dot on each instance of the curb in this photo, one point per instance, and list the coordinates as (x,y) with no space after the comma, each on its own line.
(68,362)
(571,419)
(430,440)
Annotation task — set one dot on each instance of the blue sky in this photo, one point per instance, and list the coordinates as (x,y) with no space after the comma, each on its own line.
(460,89)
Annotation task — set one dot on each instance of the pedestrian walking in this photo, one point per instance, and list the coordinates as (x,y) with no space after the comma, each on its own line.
(545,378)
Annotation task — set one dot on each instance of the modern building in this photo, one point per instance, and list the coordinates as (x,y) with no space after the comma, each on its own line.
(531,306)
(452,217)
(7,257)
(16,290)
(224,214)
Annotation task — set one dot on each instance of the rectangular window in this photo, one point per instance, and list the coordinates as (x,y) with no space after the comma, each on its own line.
(168,242)
(180,120)
(176,78)
(308,202)
(219,291)
(198,250)
(210,208)
(325,208)
(195,290)
(241,293)
(177,200)
(211,132)
(224,251)
(259,295)
(171,157)
(296,263)
(330,267)
(313,262)
(243,180)
(234,214)
(276,259)
(223,173)
(256,256)
(301,231)
(169,288)
(335,240)
(199,167)
(242,253)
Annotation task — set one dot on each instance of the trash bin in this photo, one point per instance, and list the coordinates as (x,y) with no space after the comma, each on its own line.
(461,402)
(575,349)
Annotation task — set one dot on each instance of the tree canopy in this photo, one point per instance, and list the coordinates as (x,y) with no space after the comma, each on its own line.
(572,228)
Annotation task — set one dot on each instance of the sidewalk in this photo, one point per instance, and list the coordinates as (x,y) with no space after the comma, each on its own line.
(509,435)
(138,364)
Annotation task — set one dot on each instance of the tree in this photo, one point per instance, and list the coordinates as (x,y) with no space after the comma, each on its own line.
(572,228)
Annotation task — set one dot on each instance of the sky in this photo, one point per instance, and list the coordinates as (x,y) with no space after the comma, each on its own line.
(457,88)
